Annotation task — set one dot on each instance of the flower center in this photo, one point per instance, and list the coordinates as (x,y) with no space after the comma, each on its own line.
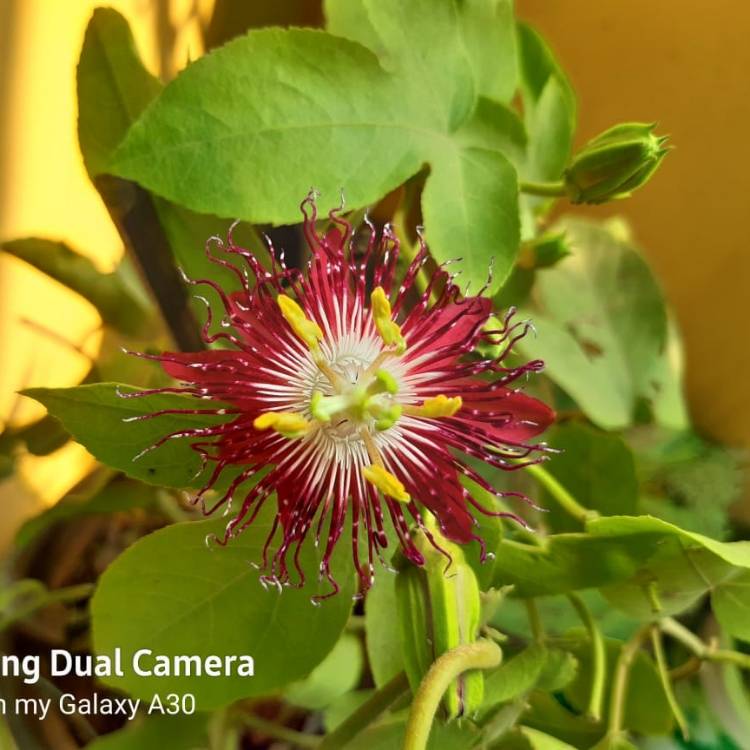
(352,399)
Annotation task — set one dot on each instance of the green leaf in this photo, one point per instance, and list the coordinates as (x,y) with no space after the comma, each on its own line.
(560,668)
(337,674)
(383,639)
(539,741)
(646,707)
(537,64)
(173,594)
(731,605)
(107,292)
(596,468)
(94,415)
(471,186)
(550,127)
(488,30)
(630,551)
(291,122)
(548,715)
(156,733)
(514,678)
(474,39)
(114,87)
(601,324)
(681,569)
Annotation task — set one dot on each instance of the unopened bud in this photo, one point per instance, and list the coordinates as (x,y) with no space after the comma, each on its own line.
(439,608)
(615,163)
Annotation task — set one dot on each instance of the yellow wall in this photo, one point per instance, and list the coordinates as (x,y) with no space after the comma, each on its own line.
(44,191)
(685,63)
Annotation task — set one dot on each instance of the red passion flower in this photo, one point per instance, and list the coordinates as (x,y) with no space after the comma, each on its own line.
(362,393)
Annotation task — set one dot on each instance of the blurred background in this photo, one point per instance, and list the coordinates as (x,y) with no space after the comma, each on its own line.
(681,63)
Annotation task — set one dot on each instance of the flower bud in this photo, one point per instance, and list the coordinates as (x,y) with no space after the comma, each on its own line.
(439,608)
(615,163)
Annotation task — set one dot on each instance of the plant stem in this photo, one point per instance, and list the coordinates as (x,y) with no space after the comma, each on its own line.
(535,621)
(543,189)
(366,714)
(598,657)
(564,499)
(278,732)
(703,651)
(620,682)
(482,654)
(56,596)
(661,663)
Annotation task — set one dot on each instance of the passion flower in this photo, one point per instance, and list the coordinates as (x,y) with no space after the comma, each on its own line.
(361,387)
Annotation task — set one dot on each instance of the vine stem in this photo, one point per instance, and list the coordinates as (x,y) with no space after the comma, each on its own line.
(703,651)
(666,681)
(564,499)
(285,734)
(366,714)
(543,189)
(598,657)
(482,654)
(621,678)
(535,620)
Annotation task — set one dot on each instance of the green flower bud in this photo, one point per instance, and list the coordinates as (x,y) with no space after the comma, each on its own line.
(615,163)
(439,608)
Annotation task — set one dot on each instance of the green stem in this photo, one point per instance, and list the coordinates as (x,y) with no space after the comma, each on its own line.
(535,620)
(366,714)
(543,189)
(564,499)
(56,596)
(703,651)
(482,654)
(620,681)
(663,667)
(598,657)
(285,734)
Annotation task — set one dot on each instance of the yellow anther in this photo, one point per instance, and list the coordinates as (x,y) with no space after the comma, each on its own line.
(386,483)
(388,329)
(286,423)
(308,330)
(434,408)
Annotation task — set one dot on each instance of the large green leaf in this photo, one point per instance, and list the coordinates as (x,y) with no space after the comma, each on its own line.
(632,552)
(175,595)
(248,129)
(601,324)
(514,678)
(94,415)
(596,468)
(682,568)
(476,39)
